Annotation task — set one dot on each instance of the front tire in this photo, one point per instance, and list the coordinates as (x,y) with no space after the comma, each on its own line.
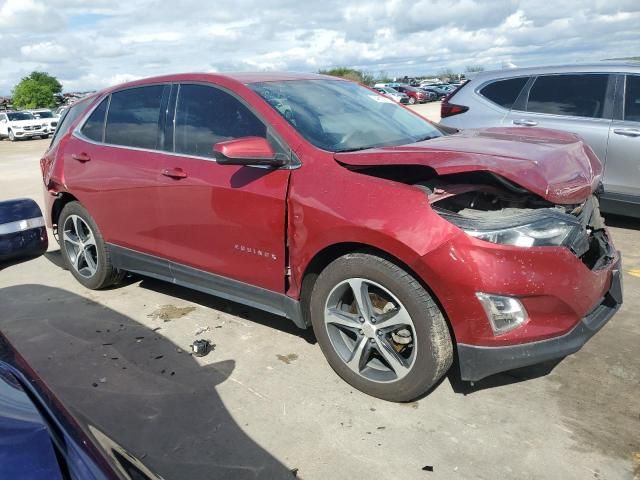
(83,249)
(412,101)
(378,327)
(12,136)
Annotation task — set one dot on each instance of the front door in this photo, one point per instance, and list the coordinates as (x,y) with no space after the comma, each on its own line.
(221,219)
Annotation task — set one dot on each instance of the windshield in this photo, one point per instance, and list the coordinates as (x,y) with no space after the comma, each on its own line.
(341,116)
(20,116)
(43,114)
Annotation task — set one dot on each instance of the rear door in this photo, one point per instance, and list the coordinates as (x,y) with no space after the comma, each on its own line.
(112,165)
(622,171)
(221,219)
(579,103)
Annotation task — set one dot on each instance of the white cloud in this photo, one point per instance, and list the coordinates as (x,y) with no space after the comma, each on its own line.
(98,43)
(47,52)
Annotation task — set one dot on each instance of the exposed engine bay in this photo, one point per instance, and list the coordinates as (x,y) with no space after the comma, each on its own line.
(488,206)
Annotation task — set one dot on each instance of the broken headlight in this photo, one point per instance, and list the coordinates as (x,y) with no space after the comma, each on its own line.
(537,229)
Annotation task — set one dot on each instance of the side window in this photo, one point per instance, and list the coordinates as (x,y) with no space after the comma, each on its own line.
(68,118)
(207,115)
(93,128)
(576,95)
(133,117)
(504,92)
(632,99)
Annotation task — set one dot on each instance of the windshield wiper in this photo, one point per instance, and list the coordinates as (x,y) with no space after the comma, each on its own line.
(357,149)
(428,137)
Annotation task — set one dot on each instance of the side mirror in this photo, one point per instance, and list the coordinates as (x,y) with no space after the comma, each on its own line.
(23,234)
(248,151)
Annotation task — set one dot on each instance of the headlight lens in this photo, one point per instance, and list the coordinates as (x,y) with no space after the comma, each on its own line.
(546,232)
(532,229)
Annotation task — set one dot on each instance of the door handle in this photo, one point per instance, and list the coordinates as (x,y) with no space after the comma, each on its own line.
(81,157)
(525,123)
(627,132)
(176,173)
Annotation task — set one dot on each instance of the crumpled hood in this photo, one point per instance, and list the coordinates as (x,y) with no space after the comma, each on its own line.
(555,165)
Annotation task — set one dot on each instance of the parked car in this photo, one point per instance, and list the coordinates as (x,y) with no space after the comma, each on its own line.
(440,90)
(600,103)
(17,125)
(59,111)
(415,95)
(393,94)
(431,95)
(41,439)
(393,239)
(49,120)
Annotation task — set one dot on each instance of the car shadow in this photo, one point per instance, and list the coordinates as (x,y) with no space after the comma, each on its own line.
(499,379)
(232,308)
(134,385)
(209,301)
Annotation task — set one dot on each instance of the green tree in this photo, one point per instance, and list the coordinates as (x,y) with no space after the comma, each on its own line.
(474,68)
(350,74)
(36,91)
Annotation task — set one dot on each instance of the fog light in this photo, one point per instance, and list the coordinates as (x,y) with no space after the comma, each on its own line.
(504,313)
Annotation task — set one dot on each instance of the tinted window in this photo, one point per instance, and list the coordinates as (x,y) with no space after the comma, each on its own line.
(632,99)
(207,115)
(133,117)
(94,126)
(504,92)
(68,118)
(576,95)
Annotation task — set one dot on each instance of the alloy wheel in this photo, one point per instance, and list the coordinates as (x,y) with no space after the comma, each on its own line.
(80,245)
(370,330)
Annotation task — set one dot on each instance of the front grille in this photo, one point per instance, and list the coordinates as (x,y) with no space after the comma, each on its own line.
(29,128)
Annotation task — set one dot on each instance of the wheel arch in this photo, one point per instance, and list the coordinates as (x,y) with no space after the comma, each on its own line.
(59,203)
(332,252)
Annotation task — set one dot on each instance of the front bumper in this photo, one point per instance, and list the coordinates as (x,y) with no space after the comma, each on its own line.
(477,362)
(29,133)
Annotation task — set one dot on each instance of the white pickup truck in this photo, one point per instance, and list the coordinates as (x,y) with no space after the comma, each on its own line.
(17,125)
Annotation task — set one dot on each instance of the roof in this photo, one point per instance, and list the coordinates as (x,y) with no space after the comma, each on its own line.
(596,67)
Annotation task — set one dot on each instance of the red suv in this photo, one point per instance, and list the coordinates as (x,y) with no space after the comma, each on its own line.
(315,198)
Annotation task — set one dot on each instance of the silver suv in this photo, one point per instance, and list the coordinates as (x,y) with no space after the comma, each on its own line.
(599,102)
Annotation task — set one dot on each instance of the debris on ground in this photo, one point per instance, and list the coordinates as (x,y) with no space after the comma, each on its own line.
(202,347)
(427,468)
(103,380)
(167,313)
(294,472)
(287,358)
(202,330)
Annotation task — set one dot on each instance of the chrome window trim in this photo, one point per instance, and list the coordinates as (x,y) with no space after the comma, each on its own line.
(294,161)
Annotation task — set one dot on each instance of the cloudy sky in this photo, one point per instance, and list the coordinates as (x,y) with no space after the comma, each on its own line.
(93,44)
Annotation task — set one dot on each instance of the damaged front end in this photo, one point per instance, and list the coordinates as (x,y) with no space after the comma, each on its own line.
(492,208)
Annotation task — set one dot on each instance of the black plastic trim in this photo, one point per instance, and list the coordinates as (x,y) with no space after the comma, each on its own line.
(620,204)
(183,275)
(477,362)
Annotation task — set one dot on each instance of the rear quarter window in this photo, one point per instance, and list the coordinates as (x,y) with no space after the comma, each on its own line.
(504,92)
(632,99)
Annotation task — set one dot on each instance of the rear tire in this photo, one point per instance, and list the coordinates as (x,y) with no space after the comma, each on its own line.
(412,101)
(12,137)
(83,249)
(375,355)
